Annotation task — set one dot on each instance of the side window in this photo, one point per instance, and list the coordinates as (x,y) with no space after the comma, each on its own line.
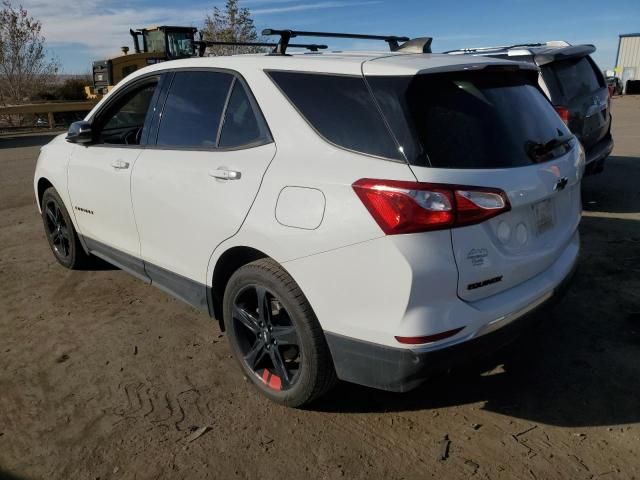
(192,112)
(123,122)
(341,109)
(241,126)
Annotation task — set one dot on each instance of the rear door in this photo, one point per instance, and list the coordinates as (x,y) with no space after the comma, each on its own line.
(194,187)
(492,130)
(577,84)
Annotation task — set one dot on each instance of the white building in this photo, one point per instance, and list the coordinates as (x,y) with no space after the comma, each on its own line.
(628,59)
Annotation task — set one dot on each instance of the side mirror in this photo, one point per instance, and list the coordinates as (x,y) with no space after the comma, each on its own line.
(80,132)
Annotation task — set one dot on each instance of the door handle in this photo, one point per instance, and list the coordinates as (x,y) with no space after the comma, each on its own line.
(120,164)
(225,174)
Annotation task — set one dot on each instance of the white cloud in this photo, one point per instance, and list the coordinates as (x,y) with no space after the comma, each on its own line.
(102,26)
(310,6)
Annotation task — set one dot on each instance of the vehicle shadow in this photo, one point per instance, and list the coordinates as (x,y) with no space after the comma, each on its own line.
(579,366)
(4,475)
(616,189)
(22,141)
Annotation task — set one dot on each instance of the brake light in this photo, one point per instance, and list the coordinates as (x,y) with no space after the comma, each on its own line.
(410,207)
(564,114)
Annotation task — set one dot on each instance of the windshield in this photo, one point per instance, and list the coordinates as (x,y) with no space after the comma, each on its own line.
(470,120)
(180,44)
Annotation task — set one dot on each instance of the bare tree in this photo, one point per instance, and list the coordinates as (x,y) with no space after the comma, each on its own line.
(231,24)
(24,66)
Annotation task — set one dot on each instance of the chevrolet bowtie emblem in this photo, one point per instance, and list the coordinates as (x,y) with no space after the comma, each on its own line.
(560,184)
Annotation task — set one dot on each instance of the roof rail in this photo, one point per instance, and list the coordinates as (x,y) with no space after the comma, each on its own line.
(554,43)
(203,44)
(496,49)
(287,35)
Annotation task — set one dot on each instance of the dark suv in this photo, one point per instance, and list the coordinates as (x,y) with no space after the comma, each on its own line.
(575,86)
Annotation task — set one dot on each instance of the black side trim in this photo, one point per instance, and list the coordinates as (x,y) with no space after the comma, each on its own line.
(189,291)
(185,289)
(124,261)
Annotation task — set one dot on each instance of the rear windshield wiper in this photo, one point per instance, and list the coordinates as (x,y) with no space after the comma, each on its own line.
(541,151)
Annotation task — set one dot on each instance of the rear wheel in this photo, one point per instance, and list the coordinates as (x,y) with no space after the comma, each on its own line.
(62,237)
(275,336)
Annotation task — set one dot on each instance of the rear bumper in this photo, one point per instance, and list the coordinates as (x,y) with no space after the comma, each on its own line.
(400,370)
(597,154)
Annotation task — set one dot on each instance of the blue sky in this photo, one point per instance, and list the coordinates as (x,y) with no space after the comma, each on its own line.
(80,31)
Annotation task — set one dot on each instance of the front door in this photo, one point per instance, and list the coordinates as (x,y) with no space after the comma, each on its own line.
(99,175)
(195,187)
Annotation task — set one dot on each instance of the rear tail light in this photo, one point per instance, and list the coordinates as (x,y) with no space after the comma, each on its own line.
(611,90)
(564,114)
(411,207)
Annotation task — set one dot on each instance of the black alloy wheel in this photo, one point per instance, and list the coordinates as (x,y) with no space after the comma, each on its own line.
(267,338)
(57,230)
(61,235)
(275,336)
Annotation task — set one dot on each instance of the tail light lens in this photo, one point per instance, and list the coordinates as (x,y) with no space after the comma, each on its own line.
(410,207)
(564,114)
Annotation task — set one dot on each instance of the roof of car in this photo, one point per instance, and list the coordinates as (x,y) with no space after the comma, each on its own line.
(338,62)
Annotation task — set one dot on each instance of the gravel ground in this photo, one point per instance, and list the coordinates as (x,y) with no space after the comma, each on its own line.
(102,377)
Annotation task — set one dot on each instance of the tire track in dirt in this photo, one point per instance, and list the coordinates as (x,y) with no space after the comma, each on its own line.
(143,401)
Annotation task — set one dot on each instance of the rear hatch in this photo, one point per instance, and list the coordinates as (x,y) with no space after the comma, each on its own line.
(577,85)
(491,127)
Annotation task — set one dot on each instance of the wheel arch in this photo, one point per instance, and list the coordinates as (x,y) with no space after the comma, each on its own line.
(230,261)
(42,185)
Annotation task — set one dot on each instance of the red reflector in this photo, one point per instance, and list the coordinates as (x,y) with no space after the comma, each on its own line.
(564,114)
(411,207)
(429,338)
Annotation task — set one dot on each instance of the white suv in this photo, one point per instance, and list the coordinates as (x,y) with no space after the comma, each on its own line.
(362,216)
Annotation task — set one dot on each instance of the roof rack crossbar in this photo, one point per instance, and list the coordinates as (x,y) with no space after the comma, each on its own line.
(287,35)
(203,44)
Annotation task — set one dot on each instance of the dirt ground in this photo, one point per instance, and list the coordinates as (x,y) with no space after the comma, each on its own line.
(102,377)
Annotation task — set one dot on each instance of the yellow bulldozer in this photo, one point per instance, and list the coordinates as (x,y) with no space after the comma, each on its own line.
(151,45)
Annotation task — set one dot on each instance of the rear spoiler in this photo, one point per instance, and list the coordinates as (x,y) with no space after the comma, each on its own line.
(565,53)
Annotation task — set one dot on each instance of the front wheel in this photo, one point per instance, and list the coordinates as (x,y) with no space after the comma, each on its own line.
(275,336)
(62,237)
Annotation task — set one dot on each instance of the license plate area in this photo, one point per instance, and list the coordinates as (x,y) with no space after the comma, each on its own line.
(543,215)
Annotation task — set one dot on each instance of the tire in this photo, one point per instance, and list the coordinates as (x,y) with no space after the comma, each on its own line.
(61,234)
(263,339)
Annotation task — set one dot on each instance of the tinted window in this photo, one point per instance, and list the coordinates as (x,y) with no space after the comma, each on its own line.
(123,122)
(192,112)
(341,109)
(241,126)
(469,120)
(576,77)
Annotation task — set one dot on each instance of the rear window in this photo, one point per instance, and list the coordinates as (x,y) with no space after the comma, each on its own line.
(573,78)
(341,109)
(470,120)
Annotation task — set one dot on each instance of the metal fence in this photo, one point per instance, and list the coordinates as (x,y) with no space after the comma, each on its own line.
(47,108)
